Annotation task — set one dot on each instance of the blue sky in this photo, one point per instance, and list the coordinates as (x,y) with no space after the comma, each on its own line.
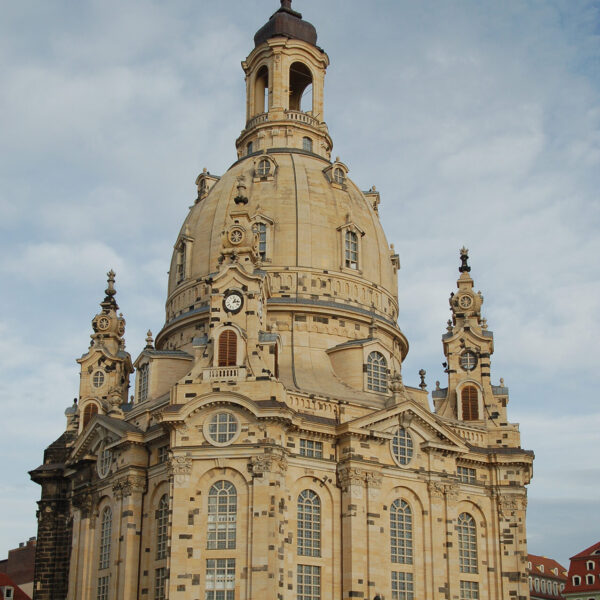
(478,121)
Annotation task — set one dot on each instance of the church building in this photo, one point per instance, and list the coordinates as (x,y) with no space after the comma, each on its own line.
(270,449)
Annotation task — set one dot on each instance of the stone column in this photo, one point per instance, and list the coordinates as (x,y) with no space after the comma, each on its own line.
(267,537)
(439,554)
(351,480)
(513,545)
(130,491)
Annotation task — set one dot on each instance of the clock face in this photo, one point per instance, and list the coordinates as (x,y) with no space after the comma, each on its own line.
(465,301)
(103,323)
(233,302)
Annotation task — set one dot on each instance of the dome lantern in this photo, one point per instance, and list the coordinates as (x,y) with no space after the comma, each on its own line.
(285,76)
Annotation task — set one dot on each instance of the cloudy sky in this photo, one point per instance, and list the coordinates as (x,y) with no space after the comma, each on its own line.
(478,121)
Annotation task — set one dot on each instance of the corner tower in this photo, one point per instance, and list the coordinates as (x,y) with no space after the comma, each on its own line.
(285,76)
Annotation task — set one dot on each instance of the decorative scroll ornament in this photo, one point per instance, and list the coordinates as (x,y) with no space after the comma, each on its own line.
(436,489)
(272,461)
(509,504)
(348,476)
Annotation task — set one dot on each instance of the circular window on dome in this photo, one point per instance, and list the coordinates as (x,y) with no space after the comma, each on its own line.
(402,446)
(468,360)
(264,167)
(104,462)
(339,176)
(98,379)
(236,235)
(221,429)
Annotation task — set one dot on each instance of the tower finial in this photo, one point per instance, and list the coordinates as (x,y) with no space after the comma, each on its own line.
(286,4)
(109,301)
(464,257)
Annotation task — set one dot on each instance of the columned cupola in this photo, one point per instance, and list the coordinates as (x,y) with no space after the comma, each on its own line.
(285,76)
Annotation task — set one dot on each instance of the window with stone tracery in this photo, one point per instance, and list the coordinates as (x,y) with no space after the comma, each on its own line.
(309,524)
(222,516)
(376,372)
(467,543)
(401,532)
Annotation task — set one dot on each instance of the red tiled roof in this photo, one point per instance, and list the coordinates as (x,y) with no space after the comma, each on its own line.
(588,551)
(549,565)
(18,593)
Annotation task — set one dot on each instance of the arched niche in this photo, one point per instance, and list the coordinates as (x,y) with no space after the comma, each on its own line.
(261,91)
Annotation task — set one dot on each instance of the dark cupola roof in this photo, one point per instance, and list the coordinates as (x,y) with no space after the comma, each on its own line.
(287,23)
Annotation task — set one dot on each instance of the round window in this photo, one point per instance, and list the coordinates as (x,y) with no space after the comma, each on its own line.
(402,446)
(104,462)
(468,360)
(236,236)
(98,379)
(222,428)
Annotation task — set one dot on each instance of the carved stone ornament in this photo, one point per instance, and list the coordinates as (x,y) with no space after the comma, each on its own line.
(272,461)
(125,486)
(508,504)
(84,503)
(452,492)
(180,469)
(436,489)
(373,480)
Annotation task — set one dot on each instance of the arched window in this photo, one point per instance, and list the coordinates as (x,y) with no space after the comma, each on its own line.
(89,411)
(222,514)
(227,349)
(467,543)
(307,144)
(576,580)
(401,532)
(469,399)
(250,148)
(402,446)
(309,524)
(351,250)
(376,372)
(536,584)
(181,260)
(262,240)
(589,579)
(300,87)
(105,539)
(530,582)
(264,167)
(339,176)
(143,372)
(162,526)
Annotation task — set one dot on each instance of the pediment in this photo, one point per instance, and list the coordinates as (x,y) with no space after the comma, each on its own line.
(102,429)
(408,414)
(235,276)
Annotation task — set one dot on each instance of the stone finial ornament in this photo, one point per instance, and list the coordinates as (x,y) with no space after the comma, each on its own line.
(422,374)
(241,197)
(109,300)
(149,340)
(464,257)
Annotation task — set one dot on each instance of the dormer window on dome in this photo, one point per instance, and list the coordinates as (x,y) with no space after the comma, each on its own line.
(264,168)
(337,174)
(204,183)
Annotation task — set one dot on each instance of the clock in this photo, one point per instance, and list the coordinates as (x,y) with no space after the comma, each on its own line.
(103,323)
(465,301)
(233,302)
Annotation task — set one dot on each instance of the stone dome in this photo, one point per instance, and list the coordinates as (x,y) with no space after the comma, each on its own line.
(286,212)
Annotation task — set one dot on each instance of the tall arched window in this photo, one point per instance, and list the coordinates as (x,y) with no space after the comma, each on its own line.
(89,411)
(104,554)
(227,349)
(262,240)
(467,543)
(143,373)
(222,515)
(162,527)
(401,532)
(469,399)
(351,250)
(376,372)
(309,524)
(261,91)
